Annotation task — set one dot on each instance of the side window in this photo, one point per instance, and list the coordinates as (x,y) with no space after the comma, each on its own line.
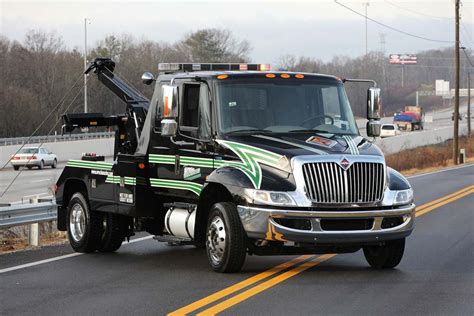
(190,107)
(195,112)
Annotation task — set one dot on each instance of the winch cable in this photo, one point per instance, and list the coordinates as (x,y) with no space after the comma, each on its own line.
(44,121)
(47,135)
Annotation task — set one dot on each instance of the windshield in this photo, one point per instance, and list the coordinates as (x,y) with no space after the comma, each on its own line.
(28,151)
(252,105)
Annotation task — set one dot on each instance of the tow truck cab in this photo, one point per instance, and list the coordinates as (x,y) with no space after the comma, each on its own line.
(242,160)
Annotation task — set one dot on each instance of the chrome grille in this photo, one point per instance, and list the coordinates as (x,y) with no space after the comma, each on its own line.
(328,182)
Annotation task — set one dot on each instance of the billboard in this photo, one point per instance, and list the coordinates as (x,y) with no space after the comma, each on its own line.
(402,59)
(442,88)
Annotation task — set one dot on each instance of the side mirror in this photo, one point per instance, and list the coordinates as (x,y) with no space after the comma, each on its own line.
(148,78)
(374,104)
(168,127)
(170,101)
(374,128)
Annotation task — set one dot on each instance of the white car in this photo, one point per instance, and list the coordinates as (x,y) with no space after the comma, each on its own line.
(34,157)
(389,130)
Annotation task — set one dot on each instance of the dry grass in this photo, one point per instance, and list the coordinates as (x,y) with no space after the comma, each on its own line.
(428,158)
(16,238)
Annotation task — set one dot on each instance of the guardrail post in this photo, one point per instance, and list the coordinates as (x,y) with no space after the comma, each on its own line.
(33,229)
(33,234)
(462,155)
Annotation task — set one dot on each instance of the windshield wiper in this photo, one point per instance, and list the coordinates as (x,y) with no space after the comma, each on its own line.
(309,131)
(251,131)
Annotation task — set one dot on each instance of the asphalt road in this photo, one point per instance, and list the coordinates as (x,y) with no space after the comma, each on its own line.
(30,183)
(436,275)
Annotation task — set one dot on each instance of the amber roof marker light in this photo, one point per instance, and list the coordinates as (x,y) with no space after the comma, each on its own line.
(222,77)
(285,76)
(299,76)
(270,75)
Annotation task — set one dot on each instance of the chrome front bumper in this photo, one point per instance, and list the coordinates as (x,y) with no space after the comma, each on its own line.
(261,223)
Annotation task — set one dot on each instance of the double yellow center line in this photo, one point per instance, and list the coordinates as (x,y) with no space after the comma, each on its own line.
(297,265)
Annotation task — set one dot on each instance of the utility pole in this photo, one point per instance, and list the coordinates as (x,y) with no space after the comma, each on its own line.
(366,4)
(456,87)
(86,21)
(468,104)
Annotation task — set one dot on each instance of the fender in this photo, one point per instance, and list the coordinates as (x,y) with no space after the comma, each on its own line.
(272,179)
(396,181)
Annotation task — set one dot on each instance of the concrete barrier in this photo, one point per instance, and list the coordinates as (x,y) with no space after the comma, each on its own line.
(66,150)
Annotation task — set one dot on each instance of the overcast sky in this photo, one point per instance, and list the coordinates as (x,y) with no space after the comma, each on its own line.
(319,29)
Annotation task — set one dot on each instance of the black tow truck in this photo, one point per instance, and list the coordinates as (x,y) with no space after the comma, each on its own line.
(239,160)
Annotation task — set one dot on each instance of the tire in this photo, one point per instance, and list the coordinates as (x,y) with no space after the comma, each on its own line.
(113,232)
(29,167)
(225,238)
(387,256)
(85,227)
(16,167)
(55,164)
(41,165)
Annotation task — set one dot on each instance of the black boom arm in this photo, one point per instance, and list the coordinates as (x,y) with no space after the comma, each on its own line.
(129,124)
(104,68)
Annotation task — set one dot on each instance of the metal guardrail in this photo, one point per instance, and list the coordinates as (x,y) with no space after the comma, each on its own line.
(23,214)
(55,138)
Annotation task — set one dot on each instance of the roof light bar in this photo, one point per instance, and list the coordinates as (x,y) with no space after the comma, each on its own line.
(190,67)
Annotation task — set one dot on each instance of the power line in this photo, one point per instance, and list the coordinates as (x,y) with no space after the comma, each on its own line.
(468,58)
(391,27)
(466,33)
(419,13)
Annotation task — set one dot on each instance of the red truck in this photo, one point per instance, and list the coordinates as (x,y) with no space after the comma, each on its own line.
(410,119)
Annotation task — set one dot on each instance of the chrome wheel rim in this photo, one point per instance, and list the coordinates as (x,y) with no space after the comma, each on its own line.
(216,240)
(77,222)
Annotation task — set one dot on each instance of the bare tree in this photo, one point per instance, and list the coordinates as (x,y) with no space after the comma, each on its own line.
(214,45)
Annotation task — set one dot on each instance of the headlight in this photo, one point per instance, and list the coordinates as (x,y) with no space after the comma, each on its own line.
(403,197)
(269,197)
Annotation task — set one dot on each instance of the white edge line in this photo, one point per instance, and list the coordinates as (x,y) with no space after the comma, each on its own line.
(439,171)
(36,263)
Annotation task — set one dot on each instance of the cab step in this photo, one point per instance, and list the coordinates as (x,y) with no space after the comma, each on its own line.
(174,240)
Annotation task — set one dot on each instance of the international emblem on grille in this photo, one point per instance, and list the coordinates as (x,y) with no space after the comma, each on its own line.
(344,163)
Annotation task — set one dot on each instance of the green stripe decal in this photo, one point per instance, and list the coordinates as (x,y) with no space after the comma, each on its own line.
(176,184)
(251,158)
(116,180)
(90,164)
(352,145)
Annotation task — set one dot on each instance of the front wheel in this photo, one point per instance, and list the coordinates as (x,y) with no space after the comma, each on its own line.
(85,227)
(41,165)
(55,164)
(16,167)
(225,238)
(386,256)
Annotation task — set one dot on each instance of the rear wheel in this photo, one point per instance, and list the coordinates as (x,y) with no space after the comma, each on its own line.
(386,256)
(225,238)
(16,167)
(29,167)
(55,164)
(85,228)
(41,165)
(113,232)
